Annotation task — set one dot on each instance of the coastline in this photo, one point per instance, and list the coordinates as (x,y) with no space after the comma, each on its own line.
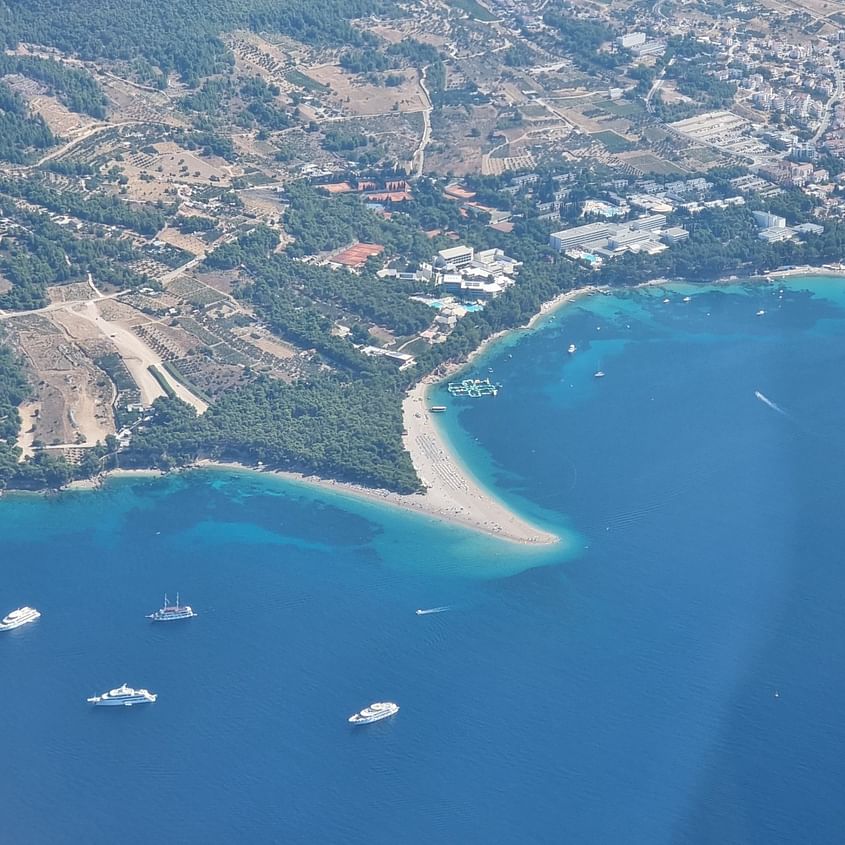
(451,492)
(463,502)
(97,481)
(472,509)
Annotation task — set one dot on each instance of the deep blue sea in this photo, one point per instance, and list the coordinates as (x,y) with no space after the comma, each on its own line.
(674,672)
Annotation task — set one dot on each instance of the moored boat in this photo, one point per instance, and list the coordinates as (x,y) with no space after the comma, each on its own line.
(19,617)
(374,713)
(437,409)
(123,696)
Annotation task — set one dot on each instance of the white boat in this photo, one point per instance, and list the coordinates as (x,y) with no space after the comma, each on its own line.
(123,696)
(760,313)
(425,612)
(374,713)
(571,348)
(19,617)
(172,612)
(687,299)
(599,374)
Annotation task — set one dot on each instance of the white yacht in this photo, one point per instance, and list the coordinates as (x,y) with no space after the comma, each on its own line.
(374,713)
(123,696)
(19,617)
(172,612)
(598,374)
(571,349)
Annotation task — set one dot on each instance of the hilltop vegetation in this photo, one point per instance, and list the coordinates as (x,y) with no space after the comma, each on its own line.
(75,87)
(13,391)
(180,36)
(38,253)
(346,430)
(21,134)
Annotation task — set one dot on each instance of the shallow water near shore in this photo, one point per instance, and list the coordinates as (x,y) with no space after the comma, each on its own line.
(677,681)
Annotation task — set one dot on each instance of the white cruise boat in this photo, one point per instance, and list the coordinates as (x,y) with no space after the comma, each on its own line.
(374,713)
(123,696)
(19,617)
(172,612)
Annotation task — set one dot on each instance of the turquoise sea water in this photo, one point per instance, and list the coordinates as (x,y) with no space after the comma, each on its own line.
(677,680)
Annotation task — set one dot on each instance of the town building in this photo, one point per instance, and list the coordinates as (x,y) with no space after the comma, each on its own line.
(401,359)
(568,238)
(766,220)
(457,256)
(674,235)
(608,240)
(631,39)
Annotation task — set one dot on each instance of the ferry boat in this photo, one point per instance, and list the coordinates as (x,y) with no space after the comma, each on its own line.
(172,612)
(374,713)
(123,696)
(19,617)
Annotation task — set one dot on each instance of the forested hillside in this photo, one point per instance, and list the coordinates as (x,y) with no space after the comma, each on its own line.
(13,390)
(174,35)
(346,430)
(75,87)
(21,133)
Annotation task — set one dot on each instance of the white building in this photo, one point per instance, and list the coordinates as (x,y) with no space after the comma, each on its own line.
(631,39)
(457,256)
(775,234)
(765,220)
(674,235)
(567,238)
(649,223)
(401,359)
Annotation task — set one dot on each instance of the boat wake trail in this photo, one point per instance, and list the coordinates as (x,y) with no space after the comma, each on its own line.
(773,405)
(434,610)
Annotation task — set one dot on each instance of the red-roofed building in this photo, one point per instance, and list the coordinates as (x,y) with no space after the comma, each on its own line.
(337,188)
(456,192)
(356,255)
(389,196)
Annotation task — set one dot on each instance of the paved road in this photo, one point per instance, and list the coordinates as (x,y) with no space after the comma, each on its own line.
(828,106)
